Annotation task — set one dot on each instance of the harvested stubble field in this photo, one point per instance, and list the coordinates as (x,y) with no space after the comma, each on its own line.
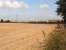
(20,36)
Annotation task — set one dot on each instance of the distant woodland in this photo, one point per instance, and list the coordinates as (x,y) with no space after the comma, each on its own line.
(35,22)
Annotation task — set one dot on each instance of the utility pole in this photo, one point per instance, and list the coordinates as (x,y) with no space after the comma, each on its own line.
(16,18)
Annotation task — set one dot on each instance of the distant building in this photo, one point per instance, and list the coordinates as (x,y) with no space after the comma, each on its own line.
(55,21)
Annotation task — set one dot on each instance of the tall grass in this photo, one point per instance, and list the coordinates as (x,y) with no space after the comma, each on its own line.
(57,39)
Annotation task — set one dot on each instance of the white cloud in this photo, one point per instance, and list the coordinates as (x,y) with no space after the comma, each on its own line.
(13,4)
(1,4)
(5,0)
(44,6)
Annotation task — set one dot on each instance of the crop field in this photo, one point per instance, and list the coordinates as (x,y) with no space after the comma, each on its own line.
(23,36)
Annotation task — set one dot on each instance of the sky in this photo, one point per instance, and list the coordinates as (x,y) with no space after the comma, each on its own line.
(28,10)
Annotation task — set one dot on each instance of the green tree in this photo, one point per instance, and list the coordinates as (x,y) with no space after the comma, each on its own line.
(61,10)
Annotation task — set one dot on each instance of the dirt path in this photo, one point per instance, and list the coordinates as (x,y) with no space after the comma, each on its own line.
(23,36)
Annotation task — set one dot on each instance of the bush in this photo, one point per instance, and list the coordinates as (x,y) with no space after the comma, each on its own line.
(57,40)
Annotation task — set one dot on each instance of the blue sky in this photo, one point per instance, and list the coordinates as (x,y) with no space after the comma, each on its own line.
(28,10)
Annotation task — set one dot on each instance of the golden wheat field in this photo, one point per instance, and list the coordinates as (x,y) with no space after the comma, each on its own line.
(20,36)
